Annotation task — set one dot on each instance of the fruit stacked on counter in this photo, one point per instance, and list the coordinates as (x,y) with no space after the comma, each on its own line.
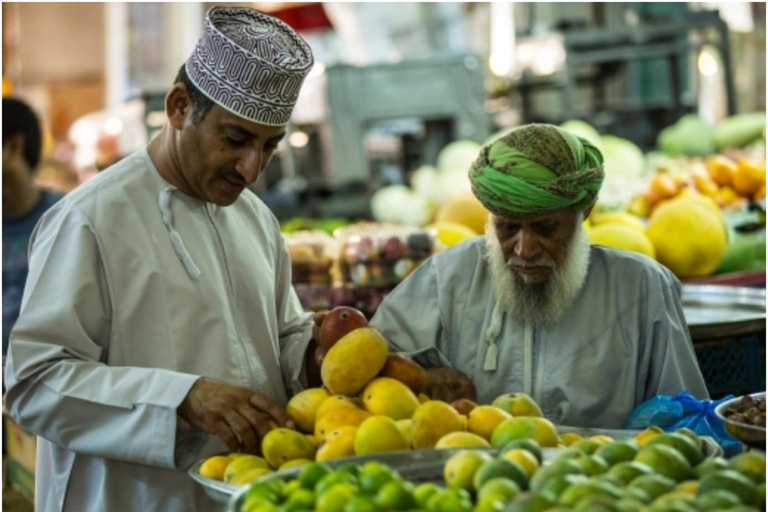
(373,401)
(356,267)
(381,254)
(655,472)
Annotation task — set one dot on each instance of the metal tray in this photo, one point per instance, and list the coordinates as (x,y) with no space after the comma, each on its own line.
(751,435)
(216,490)
(427,465)
(723,311)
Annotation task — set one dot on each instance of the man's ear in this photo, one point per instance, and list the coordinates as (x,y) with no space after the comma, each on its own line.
(587,212)
(178,105)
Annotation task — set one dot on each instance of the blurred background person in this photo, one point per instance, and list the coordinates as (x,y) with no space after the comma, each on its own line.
(23,202)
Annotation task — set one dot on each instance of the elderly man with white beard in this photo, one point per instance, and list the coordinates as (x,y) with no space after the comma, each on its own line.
(589,332)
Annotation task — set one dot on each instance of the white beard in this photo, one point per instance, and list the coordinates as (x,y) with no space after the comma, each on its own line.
(540,304)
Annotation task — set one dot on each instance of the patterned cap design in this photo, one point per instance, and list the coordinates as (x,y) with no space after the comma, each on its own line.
(250,64)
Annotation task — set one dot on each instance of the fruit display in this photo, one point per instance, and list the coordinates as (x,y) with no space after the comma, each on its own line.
(654,472)
(312,256)
(373,401)
(381,254)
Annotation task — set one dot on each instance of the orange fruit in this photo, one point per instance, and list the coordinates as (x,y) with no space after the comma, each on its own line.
(748,178)
(759,194)
(720,169)
(662,186)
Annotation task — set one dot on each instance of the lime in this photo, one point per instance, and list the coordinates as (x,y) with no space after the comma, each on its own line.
(620,451)
(751,465)
(373,477)
(335,498)
(313,473)
(290,487)
(267,491)
(629,505)
(499,486)
(460,469)
(732,481)
(500,468)
(690,434)
(450,500)
(300,499)
(596,504)
(263,507)
(665,460)
(554,486)
(592,465)
(577,491)
(423,492)
(395,495)
(527,502)
(637,494)
(349,467)
(526,444)
(361,504)
(683,444)
(331,480)
(629,470)
(711,466)
(567,467)
(588,446)
(654,485)
(719,499)
(491,503)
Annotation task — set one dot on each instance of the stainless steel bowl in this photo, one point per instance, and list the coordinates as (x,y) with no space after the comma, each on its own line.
(751,435)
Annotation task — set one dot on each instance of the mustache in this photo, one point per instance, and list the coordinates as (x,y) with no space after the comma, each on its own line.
(234,176)
(512,262)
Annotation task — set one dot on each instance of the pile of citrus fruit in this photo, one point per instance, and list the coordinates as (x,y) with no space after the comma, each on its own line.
(655,472)
(372,402)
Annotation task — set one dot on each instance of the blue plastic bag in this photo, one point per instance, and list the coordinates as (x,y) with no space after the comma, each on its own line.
(684,411)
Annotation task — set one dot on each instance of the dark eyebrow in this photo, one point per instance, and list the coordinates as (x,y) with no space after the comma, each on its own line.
(240,130)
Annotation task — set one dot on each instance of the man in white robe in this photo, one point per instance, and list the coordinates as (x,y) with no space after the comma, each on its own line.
(158,324)
(589,332)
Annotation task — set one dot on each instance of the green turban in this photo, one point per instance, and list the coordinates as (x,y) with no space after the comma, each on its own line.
(535,169)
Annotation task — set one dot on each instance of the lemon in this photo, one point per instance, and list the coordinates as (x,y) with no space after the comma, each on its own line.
(342,417)
(484,418)
(459,470)
(379,434)
(432,420)
(751,465)
(462,440)
(302,408)
(338,443)
(354,361)
(406,427)
(249,475)
(540,430)
(523,458)
(389,397)
(621,236)
(244,463)
(689,237)
(282,445)
(568,438)
(214,467)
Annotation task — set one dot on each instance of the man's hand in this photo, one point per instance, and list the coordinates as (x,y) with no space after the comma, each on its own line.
(238,416)
(449,385)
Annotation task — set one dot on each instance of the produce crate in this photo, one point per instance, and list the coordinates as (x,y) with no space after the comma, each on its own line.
(21,452)
(733,366)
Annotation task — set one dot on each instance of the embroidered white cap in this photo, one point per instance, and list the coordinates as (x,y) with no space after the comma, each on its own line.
(250,63)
